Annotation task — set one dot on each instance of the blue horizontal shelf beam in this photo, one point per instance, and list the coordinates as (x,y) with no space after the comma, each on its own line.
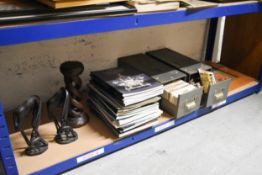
(122,143)
(54,30)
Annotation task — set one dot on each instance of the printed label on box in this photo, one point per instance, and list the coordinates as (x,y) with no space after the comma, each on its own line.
(90,155)
(219,104)
(164,126)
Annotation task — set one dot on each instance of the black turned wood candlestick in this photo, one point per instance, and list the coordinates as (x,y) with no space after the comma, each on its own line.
(65,134)
(36,144)
(71,71)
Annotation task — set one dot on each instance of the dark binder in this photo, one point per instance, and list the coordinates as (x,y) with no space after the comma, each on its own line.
(152,67)
(17,11)
(179,61)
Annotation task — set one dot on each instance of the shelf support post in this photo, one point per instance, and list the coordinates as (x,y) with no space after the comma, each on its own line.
(215,39)
(6,151)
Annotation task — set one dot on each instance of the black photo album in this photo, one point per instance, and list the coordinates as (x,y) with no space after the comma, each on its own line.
(158,70)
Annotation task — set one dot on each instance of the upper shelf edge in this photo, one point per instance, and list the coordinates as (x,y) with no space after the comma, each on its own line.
(10,35)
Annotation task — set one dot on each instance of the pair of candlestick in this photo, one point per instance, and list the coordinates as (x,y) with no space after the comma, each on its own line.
(72,115)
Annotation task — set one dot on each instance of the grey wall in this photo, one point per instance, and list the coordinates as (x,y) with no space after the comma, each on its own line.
(33,68)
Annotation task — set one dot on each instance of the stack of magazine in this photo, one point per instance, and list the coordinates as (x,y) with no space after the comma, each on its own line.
(20,11)
(127,100)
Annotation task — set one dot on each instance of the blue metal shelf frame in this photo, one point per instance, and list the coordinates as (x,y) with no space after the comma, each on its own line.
(52,30)
(6,151)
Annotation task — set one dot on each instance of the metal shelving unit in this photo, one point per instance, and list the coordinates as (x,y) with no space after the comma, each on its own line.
(53,30)
(43,31)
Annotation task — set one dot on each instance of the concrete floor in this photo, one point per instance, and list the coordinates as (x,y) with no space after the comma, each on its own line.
(225,142)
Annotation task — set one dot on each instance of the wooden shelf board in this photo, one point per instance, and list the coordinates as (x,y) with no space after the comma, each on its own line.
(91,136)
(239,82)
